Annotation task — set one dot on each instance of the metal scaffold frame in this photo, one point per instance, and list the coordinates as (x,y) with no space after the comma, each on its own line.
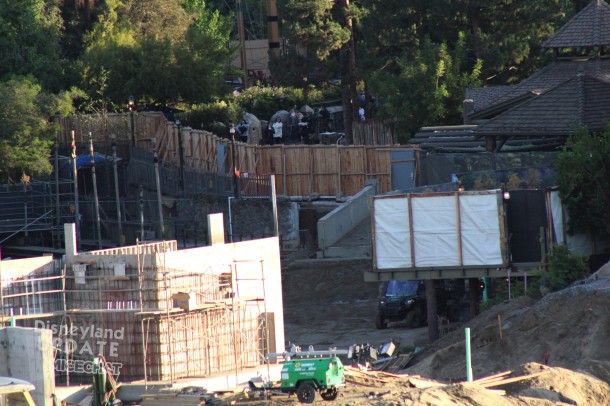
(219,330)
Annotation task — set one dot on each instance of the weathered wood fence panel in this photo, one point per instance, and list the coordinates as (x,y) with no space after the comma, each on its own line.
(300,170)
(325,174)
(271,160)
(374,132)
(353,170)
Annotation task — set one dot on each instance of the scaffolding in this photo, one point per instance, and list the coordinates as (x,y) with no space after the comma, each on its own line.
(150,322)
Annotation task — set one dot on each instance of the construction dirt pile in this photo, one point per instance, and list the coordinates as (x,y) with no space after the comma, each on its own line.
(568,329)
(524,352)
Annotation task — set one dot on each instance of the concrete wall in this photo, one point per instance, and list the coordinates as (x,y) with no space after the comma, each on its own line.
(336,224)
(257,271)
(27,354)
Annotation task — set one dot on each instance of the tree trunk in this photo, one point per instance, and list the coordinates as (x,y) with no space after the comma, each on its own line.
(348,81)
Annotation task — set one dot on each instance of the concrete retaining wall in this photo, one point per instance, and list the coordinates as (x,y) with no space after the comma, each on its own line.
(27,354)
(336,224)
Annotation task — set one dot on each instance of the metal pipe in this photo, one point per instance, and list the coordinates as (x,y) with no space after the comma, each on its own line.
(116,189)
(242,42)
(180,156)
(95,198)
(468,358)
(57,242)
(141,192)
(75,180)
(230,220)
(276,227)
(158,183)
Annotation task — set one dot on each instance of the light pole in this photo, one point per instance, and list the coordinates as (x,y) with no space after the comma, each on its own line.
(131,104)
(235,186)
(116,188)
(180,155)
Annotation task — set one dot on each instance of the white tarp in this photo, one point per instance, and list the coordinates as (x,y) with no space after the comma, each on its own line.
(436,232)
(392,235)
(580,242)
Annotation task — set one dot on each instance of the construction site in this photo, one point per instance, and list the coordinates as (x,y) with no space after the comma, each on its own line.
(154,312)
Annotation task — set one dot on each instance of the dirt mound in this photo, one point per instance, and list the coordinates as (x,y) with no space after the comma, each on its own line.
(559,385)
(567,329)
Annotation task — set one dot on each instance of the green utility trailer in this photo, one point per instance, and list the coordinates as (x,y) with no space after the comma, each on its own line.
(309,372)
(307,376)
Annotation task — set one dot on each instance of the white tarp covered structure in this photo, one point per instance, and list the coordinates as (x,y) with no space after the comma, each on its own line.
(581,243)
(439,230)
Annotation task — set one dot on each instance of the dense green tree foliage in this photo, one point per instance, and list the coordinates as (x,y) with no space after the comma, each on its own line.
(159,51)
(416,57)
(426,87)
(27,133)
(583,179)
(29,42)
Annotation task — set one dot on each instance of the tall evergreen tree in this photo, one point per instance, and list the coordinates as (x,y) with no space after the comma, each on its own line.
(160,51)
(30,32)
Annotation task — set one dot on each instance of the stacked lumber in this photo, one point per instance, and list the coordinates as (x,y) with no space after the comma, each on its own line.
(393,364)
(360,376)
(502,379)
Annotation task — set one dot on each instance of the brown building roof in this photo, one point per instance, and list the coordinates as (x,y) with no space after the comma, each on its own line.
(582,101)
(541,81)
(589,28)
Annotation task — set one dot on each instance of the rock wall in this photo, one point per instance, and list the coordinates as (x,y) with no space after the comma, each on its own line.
(247,219)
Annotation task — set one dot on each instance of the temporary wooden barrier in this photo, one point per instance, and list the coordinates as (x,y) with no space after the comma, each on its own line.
(374,132)
(300,170)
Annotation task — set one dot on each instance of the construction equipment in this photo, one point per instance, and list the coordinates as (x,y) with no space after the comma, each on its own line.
(307,373)
(104,383)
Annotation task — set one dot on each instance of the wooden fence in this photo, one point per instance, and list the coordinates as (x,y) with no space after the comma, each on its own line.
(300,170)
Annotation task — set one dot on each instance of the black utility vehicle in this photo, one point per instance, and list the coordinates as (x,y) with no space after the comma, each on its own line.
(401,300)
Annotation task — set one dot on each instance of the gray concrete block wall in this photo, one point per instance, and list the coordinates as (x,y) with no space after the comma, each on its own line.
(337,223)
(27,354)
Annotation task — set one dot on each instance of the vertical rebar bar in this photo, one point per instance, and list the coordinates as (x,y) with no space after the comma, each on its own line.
(95,197)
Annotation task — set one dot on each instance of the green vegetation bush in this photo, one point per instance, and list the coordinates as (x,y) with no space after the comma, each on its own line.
(564,267)
(213,117)
(263,102)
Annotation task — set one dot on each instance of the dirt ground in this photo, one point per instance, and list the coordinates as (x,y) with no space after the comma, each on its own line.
(558,347)
(330,306)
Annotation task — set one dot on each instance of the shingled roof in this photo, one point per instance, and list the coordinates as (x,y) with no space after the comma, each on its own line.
(582,101)
(589,28)
(541,81)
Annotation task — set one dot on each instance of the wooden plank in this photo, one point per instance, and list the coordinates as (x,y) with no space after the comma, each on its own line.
(500,374)
(510,380)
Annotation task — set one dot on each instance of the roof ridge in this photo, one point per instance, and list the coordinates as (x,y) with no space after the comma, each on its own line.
(584,29)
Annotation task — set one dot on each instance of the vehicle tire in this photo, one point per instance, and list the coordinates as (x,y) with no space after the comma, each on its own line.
(306,393)
(413,319)
(329,394)
(380,322)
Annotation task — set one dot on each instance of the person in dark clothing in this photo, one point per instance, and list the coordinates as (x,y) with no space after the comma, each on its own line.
(324,119)
(268,134)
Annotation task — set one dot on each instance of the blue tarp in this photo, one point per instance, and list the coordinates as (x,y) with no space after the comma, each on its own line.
(84,160)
